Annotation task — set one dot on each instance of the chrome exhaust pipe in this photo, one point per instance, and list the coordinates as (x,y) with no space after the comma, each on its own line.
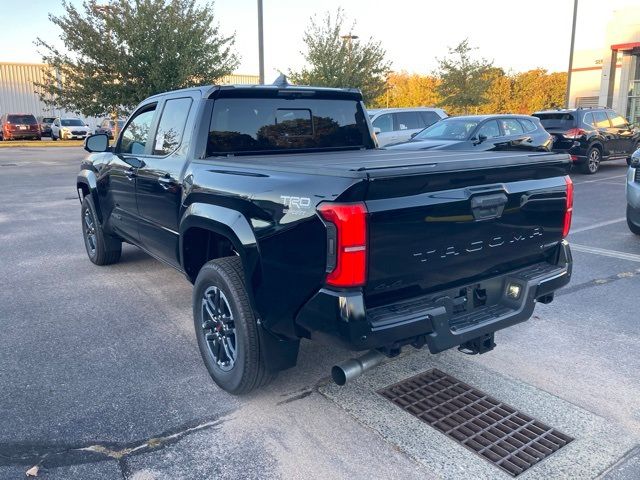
(355,367)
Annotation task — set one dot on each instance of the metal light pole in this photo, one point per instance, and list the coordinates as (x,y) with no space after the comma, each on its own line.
(260,44)
(573,39)
(110,10)
(349,39)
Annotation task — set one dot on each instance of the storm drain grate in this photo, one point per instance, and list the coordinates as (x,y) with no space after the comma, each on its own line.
(501,434)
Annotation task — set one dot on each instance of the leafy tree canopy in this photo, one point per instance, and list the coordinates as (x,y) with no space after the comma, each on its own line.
(334,61)
(463,79)
(119,52)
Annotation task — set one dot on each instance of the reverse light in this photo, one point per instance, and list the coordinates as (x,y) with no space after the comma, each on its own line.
(574,133)
(568,211)
(346,243)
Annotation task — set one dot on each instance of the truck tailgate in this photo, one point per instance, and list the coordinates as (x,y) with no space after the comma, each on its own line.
(430,230)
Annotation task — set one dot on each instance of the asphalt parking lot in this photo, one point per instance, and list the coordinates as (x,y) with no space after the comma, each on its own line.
(100,376)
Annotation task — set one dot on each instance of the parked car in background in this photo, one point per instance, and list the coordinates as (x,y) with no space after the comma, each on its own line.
(393,125)
(69,129)
(590,135)
(107,126)
(633,193)
(481,133)
(45,125)
(19,126)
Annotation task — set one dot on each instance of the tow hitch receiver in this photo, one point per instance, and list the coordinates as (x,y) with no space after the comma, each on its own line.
(478,345)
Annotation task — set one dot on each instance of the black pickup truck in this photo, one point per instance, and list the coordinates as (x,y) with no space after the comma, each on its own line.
(276,204)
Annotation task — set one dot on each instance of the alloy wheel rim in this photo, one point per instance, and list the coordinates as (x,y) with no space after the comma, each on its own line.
(90,232)
(594,160)
(218,328)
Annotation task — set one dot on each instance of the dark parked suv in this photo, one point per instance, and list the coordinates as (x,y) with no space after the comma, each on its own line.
(590,135)
(17,126)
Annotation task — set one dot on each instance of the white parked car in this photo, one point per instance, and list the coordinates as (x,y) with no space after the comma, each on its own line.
(69,129)
(395,125)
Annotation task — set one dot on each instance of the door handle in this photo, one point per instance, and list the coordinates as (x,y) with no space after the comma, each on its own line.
(167,182)
(130,173)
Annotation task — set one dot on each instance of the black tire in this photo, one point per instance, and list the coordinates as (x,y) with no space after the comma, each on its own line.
(632,226)
(233,323)
(592,163)
(102,249)
(53,137)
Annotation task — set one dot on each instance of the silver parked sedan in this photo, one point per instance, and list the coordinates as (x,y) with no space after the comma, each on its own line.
(633,193)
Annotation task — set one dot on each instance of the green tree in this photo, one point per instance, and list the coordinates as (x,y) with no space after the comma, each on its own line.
(117,54)
(336,61)
(463,79)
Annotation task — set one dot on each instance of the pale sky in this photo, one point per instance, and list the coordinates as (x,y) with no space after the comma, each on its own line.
(517,35)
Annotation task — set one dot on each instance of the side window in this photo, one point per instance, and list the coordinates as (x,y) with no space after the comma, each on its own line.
(617,121)
(511,127)
(601,119)
(528,125)
(384,123)
(588,119)
(429,118)
(171,126)
(408,121)
(490,129)
(135,136)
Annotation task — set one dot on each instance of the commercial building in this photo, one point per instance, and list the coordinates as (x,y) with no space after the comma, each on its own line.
(18,91)
(610,75)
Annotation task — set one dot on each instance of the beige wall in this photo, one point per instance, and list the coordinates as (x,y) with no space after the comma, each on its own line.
(592,67)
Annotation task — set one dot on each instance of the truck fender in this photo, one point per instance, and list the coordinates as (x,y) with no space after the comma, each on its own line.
(88,179)
(280,353)
(225,222)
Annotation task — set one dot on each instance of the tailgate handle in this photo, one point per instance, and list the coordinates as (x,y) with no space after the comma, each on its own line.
(488,207)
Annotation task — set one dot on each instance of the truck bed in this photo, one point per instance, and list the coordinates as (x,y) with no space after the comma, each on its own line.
(382,163)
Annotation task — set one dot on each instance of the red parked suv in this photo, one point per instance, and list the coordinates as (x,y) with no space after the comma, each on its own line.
(14,126)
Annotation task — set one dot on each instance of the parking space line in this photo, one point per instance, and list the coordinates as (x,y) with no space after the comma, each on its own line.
(600,179)
(598,225)
(606,253)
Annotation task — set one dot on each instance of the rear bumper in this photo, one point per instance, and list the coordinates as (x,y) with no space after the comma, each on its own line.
(442,320)
(18,135)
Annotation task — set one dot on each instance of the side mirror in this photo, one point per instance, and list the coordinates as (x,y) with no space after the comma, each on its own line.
(96,143)
(414,134)
(376,130)
(479,139)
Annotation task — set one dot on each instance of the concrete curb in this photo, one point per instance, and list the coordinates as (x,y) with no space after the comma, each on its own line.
(598,443)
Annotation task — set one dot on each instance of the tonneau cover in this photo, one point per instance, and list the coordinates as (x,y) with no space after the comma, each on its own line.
(382,163)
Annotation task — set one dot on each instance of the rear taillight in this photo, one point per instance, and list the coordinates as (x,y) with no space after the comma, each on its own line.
(346,243)
(574,158)
(568,212)
(574,133)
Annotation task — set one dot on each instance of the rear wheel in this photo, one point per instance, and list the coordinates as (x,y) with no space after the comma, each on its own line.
(632,226)
(53,137)
(226,327)
(592,164)
(102,249)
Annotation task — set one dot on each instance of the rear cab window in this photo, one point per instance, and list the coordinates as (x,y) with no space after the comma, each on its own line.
(287,123)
